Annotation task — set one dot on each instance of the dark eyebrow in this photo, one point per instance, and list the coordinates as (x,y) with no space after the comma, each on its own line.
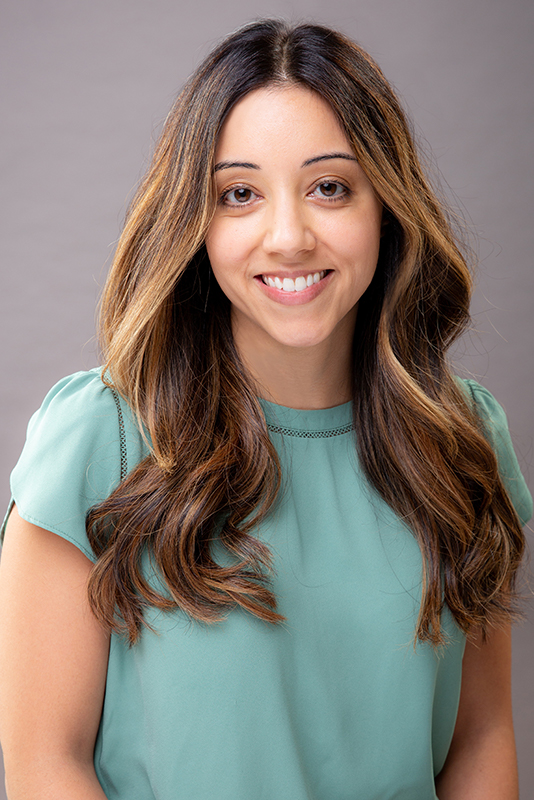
(314,160)
(327,157)
(230,164)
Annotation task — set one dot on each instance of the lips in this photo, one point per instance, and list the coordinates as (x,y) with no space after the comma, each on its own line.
(297,284)
(294,291)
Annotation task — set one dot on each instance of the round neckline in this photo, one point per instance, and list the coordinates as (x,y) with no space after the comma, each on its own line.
(309,419)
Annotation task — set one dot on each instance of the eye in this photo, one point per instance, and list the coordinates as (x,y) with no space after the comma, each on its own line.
(238,196)
(330,190)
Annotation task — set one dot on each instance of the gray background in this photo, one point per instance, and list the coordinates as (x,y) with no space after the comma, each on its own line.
(85,86)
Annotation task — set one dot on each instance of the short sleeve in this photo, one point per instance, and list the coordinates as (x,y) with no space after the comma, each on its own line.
(72,457)
(495,425)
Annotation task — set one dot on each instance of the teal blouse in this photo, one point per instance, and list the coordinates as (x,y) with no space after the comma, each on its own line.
(334,704)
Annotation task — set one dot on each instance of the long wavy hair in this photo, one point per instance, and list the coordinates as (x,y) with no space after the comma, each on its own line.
(167,342)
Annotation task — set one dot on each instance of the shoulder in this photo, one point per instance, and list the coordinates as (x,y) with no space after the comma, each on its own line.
(488,409)
(83,411)
(76,391)
(79,415)
(490,413)
(495,427)
(72,457)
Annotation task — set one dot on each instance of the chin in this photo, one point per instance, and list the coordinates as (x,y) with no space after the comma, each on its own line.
(301,339)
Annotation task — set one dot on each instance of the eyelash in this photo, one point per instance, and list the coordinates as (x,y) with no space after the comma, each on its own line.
(344,194)
(336,198)
(229,191)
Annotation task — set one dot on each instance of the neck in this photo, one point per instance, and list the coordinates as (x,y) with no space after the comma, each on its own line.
(317,376)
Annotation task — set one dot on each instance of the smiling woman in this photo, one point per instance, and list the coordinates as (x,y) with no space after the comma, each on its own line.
(269,549)
(297,226)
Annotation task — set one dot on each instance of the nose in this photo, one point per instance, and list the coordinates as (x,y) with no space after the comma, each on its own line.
(288,233)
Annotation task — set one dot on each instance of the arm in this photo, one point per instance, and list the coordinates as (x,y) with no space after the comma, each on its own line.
(481,764)
(53,661)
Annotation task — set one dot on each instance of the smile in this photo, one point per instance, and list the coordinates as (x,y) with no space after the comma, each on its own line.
(296,285)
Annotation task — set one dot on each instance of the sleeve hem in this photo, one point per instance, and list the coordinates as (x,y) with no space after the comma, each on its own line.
(34,521)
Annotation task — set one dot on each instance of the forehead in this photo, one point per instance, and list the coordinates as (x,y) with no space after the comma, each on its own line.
(283,118)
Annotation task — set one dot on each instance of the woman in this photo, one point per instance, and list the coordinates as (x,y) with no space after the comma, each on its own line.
(297,542)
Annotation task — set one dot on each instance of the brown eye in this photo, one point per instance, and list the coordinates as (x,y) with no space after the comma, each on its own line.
(239,196)
(331,190)
(242,195)
(328,189)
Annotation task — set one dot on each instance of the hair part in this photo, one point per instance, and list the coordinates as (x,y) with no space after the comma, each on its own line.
(167,341)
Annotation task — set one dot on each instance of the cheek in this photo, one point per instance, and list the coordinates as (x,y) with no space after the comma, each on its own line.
(223,253)
(229,241)
(355,237)
(218,249)
(359,248)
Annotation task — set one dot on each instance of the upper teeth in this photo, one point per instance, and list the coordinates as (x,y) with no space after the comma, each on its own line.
(290,285)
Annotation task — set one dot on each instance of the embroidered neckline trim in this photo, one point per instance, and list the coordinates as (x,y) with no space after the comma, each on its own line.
(311,434)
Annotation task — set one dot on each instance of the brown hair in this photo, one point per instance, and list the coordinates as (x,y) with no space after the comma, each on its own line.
(168,346)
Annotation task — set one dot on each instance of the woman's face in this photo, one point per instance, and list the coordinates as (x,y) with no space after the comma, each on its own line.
(295,237)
